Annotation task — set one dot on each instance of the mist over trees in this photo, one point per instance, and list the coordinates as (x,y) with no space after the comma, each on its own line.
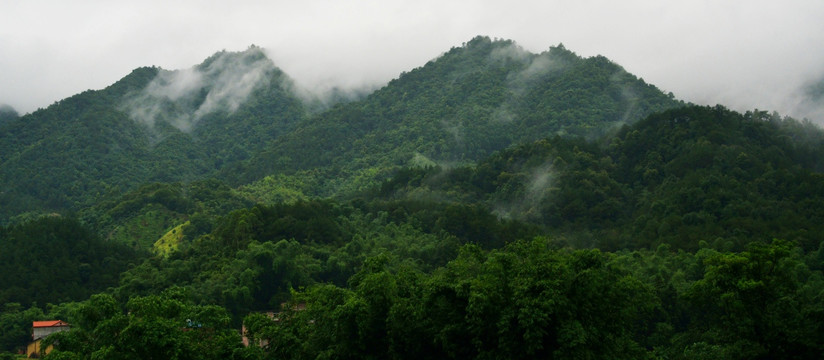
(7,113)
(492,203)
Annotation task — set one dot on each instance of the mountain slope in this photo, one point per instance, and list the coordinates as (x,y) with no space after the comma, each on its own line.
(237,116)
(678,177)
(7,114)
(152,125)
(462,106)
(56,259)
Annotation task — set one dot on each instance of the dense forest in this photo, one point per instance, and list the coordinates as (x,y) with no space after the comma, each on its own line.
(492,203)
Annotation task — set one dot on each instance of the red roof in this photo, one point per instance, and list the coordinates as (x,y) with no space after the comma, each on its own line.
(48,323)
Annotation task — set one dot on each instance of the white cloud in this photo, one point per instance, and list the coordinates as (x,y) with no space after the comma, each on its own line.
(744,54)
(182,97)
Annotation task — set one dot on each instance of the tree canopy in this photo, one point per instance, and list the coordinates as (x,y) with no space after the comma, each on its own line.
(492,203)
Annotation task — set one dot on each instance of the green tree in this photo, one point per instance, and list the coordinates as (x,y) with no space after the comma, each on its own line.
(751,305)
(153,327)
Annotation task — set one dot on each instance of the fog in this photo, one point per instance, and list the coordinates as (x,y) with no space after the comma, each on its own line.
(743,54)
(538,184)
(222,83)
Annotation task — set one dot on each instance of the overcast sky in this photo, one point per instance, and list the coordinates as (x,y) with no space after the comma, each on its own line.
(743,54)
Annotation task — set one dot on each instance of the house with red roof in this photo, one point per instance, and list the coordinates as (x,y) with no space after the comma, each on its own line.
(41,329)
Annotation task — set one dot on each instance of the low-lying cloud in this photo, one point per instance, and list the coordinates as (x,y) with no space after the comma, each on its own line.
(810,101)
(182,97)
(534,68)
(742,54)
(526,204)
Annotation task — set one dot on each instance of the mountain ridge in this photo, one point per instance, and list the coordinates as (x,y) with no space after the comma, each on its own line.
(239,117)
(490,203)
(91,144)
(467,103)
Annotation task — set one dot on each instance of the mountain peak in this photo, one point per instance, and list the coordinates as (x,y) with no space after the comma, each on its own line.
(251,55)
(7,113)
(221,83)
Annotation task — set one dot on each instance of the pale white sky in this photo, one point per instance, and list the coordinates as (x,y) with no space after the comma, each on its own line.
(743,54)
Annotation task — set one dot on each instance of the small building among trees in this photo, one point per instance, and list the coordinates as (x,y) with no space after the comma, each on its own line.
(40,330)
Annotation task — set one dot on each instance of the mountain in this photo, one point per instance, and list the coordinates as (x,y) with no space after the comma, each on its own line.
(140,217)
(7,114)
(687,209)
(677,177)
(231,105)
(239,117)
(473,100)
(33,251)
(152,125)
(492,203)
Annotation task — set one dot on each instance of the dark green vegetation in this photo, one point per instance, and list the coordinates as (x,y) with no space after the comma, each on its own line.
(7,114)
(61,261)
(529,300)
(677,177)
(236,116)
(151,126)
(490,204)
(459,108)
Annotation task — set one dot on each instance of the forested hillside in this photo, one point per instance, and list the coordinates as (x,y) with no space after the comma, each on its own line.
(461,107)
(54,259)
(492,203)
(7,114)
(152,125)
(678,177)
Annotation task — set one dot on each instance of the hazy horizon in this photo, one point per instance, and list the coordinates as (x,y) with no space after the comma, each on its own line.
(744,55)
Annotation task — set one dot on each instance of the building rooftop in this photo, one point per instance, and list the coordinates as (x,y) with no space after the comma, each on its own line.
(48,323)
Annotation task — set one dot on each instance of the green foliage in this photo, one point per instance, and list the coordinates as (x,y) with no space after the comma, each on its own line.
(68,154)
(7,114)
(677,178)
(468,223)
(15,325)
(56,259)
(704,173)
(525,301)
(414,222)
(140,217)
(533,300)
(280,188)
(748,300)
(171,241)
(255,257)
(459,108)
(97,143)
(163,326)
